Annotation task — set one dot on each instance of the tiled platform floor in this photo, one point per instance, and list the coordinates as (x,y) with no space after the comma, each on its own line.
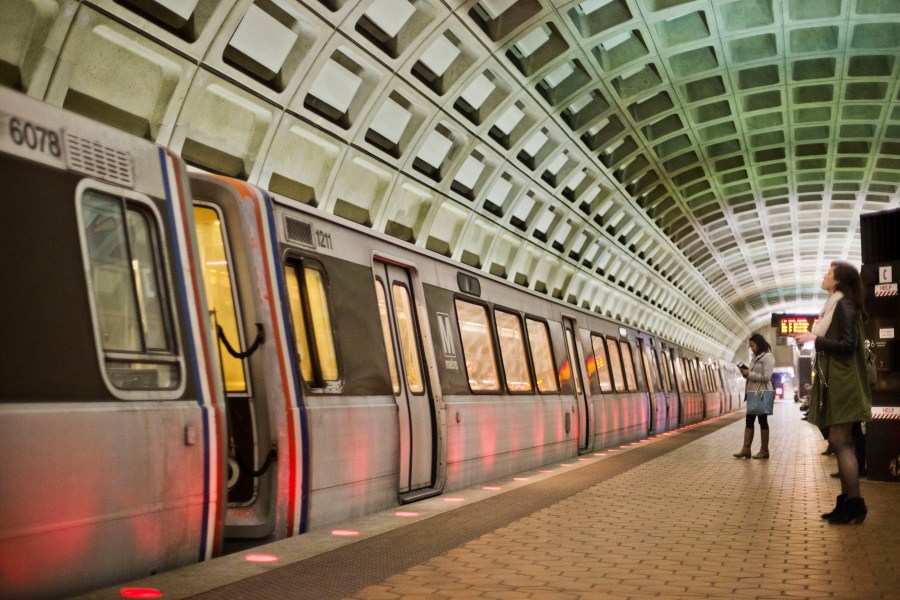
(675,517)
(691,524)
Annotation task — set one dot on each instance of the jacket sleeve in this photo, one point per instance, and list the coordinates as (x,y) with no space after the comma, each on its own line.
(843,330)
(767,362)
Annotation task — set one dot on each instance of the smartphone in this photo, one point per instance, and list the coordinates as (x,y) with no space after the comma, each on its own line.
(741,365)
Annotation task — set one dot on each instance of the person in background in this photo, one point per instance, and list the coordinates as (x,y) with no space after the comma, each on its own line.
(840,395)
(759,378)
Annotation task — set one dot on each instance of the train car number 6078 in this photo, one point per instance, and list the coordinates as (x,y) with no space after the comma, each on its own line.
(44,143)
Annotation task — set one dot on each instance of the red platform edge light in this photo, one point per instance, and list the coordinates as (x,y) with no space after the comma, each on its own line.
(140,593)
(260,558)
(406,513)
(344,532)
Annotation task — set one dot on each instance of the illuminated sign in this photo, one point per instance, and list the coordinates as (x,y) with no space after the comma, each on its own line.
(791,324)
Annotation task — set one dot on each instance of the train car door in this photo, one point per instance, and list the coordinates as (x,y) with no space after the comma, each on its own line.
(655,392)
(581,401)
(671,386)
(397,305)
(241,283)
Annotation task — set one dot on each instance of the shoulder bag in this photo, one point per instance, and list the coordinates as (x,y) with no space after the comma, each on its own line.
(760,403)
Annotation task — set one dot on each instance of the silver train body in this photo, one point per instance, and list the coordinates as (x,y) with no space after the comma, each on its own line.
(190,359)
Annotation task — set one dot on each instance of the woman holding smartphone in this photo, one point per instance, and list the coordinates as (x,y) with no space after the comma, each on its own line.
(759,378)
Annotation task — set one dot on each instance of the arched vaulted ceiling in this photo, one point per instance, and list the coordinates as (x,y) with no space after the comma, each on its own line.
(686,166)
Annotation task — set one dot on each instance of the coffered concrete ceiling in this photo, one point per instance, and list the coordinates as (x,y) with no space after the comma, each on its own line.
(686,166)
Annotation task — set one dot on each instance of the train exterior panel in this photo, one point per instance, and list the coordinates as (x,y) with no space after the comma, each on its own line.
(109,420)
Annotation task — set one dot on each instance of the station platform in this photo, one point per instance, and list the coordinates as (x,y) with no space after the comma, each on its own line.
(675,516)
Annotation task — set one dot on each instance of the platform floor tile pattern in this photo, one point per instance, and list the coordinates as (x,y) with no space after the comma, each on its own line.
(693,523)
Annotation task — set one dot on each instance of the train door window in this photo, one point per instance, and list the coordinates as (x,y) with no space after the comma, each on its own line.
(690,367)
(478,346)
(311,320)
(679,373)
(667,371)
(542,356)
(512,351)
(573,361)
(406,331)
(386,333)
(131,302)
(695,379)
(615,361)
(218,279)
(628,366)
(688,375)
(600,363)
(649,365)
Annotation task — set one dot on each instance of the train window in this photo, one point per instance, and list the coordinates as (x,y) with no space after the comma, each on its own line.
(677,362)
(311,319)
(386,333)
(542,356)
(628,365)
(512,351)
(406,331)
(600,363)
(131,301)
(478,346)
(615,361)
(221,299)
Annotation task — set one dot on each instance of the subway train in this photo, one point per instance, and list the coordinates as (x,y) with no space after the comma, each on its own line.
(191,359)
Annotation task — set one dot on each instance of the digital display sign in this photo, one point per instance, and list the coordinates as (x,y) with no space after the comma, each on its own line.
(788,324)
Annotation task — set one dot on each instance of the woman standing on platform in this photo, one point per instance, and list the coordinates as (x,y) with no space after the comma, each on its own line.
(840,395)
(759,378)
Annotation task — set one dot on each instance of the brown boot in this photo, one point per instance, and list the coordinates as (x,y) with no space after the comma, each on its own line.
(748,439)
(764,446)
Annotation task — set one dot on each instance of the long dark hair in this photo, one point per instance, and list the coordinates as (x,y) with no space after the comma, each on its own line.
(762,346)
(849,283)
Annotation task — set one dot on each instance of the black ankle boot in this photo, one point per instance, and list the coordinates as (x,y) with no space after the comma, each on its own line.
(837,507)
(853,510)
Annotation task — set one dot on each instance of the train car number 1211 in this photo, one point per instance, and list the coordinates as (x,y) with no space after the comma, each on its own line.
(323,239)
(28,139)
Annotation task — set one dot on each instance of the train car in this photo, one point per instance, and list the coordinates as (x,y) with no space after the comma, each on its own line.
(231,364)
(110,420)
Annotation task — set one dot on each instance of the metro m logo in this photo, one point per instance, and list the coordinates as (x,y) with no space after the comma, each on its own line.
(445,326)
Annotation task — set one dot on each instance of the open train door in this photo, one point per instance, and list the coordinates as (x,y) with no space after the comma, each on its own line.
(576,360)
(399,306)
(262,418)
